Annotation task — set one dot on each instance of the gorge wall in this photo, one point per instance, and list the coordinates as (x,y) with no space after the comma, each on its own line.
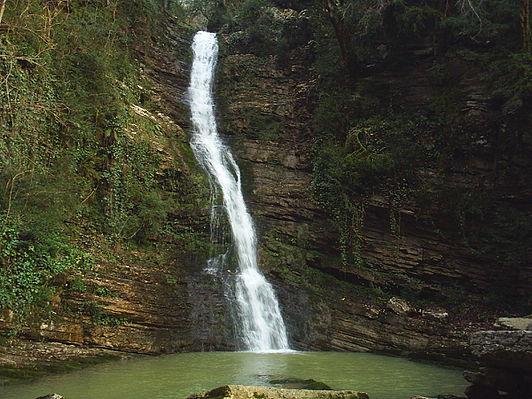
(412,252)
(393,268)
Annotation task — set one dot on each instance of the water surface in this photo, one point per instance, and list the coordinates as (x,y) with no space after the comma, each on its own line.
(178,376)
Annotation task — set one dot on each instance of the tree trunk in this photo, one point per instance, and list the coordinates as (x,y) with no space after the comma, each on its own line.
(2,8)
(525,24)
(339,29)
(341,33)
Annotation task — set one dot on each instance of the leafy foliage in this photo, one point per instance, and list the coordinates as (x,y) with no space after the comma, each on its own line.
(30,267)
(78,143)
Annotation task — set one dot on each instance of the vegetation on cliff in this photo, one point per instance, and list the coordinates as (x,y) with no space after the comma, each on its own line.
(423,104)
(414,103)
(83,149)
(477,59)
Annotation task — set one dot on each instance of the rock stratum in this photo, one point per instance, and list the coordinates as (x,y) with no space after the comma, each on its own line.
(268,112)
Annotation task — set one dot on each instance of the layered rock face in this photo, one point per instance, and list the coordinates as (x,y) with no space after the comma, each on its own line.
(266,108)
(266,114)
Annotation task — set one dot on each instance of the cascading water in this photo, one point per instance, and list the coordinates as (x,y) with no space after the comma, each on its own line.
(259,316)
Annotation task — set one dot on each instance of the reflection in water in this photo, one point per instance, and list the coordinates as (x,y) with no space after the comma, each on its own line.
(262,366)
(178,376)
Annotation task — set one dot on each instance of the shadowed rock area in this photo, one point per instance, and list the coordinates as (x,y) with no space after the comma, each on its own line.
(508,359)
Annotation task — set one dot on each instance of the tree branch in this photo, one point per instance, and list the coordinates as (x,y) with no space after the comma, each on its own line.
(2,9)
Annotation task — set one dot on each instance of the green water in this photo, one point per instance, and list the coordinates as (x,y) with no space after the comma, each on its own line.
(177,376)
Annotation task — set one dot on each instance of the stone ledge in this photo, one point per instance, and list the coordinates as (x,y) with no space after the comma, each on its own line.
(507,349)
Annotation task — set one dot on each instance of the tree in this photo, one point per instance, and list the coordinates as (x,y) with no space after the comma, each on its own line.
(525,24)
(352,18)
(2,9)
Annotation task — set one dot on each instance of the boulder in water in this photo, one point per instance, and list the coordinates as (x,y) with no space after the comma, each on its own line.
(254,392)
(299,383)
(51,396)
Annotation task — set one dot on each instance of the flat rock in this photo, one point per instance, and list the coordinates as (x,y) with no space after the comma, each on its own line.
(399,306)
(507,349)
(255,392)
(516,323)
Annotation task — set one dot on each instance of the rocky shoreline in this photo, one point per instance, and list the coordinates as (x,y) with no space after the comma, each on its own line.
(502,368)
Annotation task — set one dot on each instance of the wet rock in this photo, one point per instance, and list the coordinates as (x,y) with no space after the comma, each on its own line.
(248,392)
(51,396)
(504,349)
(399,306)
(509,383)
(482,392)
(503,380)
(438,397)
(516,323)
(299,383)
(509,356)
(475,377)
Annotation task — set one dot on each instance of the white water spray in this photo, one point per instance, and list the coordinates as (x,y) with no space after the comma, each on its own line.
(261,322)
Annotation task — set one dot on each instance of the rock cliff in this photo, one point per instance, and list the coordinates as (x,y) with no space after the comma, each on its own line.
(136,298)
(421,289)
(267,112)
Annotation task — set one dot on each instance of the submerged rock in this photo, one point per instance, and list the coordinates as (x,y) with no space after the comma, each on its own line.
(299,383)
(254,392)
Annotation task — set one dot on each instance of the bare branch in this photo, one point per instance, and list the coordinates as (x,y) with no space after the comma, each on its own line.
(467,7)
(2,9)
(11,185)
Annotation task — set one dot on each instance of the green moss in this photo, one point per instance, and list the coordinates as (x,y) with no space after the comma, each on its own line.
(79,157)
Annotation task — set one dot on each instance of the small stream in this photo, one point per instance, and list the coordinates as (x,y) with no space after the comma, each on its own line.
(178,376)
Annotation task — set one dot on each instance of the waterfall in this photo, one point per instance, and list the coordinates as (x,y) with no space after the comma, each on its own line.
(259,318)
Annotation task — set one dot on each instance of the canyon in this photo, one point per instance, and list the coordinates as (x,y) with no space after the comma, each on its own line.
(421,290)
